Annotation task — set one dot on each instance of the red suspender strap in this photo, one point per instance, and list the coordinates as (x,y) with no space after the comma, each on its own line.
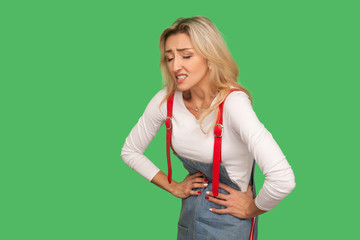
(251,236)
(218,132)
(168,125)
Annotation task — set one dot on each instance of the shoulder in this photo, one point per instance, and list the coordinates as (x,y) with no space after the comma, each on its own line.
(238,109)
(157,99)
(237,99)
(160,95)
(156,108)
(240,115)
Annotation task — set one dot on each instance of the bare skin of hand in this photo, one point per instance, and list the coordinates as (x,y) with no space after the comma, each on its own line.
(185,188)
(238,204)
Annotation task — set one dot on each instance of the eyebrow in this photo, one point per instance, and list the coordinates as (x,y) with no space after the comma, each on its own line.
(179,50)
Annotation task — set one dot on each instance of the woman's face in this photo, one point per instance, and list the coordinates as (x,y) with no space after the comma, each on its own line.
(186,66)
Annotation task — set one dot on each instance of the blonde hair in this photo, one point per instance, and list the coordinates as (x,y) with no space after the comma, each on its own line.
(208,42)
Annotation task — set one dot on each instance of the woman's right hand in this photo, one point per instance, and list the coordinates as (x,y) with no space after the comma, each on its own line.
(185,188)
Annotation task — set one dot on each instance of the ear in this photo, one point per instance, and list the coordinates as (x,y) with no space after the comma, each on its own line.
(209,66)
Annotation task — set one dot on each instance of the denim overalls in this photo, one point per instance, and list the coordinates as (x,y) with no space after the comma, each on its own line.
(197,222)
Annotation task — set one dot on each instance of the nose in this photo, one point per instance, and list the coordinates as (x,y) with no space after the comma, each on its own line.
(177,64)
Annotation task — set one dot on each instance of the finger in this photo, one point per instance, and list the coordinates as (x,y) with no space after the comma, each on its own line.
(220,211)
(199,185)
(249,188)
(187,176)
(226,187)
(201,180)
(195,175)
(195,192)
(220,195)
(217,201)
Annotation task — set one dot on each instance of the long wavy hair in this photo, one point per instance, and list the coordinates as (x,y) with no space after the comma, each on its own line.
(208,42)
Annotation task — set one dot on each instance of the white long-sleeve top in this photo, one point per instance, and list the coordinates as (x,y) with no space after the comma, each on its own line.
(244,139)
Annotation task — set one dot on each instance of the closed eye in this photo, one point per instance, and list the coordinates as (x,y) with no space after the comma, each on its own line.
(169,59)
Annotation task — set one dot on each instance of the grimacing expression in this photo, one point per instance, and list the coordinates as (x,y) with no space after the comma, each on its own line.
(188,68)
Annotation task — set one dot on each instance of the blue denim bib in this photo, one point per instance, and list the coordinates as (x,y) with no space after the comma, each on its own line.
(197,222)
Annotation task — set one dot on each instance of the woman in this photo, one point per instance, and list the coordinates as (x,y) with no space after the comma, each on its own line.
(218,202)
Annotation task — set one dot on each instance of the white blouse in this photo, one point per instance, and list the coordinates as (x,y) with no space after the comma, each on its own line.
(244,139)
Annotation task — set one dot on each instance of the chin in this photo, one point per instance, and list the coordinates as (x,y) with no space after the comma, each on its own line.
(181,88)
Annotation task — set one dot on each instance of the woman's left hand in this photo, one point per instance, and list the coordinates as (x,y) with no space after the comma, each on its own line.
(238,204)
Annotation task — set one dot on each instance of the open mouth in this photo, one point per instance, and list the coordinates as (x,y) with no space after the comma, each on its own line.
(181,78)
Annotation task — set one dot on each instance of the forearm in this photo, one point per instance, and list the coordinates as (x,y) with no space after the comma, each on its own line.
(277,185)
(161,180)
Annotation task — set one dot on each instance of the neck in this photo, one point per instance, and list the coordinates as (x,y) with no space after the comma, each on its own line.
(201,96)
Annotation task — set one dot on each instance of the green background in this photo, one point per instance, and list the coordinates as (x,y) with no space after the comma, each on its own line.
(77,75)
